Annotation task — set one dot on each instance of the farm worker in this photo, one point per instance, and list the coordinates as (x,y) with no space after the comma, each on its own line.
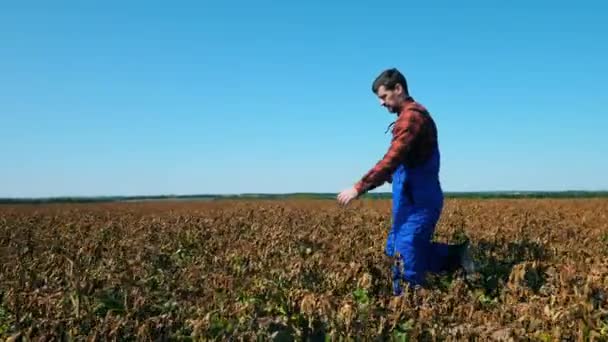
(412,166)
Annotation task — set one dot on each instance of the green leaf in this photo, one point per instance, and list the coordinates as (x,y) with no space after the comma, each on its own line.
(361,296)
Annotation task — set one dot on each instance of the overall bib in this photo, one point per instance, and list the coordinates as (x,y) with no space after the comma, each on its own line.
(416,208)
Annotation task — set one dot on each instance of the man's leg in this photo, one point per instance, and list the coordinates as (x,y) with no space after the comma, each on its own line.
(414,247)
(390,250)
(443,257)
(409,245)
(415,254)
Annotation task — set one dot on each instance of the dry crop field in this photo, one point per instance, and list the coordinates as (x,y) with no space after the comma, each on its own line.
(297,270)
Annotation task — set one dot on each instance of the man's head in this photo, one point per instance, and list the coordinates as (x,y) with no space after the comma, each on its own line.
(391,88)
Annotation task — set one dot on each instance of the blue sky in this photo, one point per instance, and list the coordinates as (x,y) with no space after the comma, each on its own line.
(136,98)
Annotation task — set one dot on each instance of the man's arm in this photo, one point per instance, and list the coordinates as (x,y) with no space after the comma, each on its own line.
(407,127)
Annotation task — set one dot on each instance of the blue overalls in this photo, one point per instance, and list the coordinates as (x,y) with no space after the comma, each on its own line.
(417,204)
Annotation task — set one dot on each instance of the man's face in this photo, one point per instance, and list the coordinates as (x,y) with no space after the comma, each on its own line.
(391,99)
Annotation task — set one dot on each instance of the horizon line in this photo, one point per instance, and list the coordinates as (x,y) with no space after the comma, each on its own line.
(513,192)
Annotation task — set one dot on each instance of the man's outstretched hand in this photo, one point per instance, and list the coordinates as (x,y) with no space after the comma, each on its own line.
(348,195)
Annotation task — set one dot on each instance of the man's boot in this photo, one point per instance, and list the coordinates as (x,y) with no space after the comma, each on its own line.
(466,261)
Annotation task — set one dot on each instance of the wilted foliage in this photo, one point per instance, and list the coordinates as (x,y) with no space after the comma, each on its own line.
(297,270)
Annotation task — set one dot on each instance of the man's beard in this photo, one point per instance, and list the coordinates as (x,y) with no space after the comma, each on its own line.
(393,109)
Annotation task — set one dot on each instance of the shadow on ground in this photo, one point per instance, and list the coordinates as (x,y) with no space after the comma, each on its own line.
(495,261)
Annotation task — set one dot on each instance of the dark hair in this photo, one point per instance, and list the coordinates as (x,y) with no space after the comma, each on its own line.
(389,78)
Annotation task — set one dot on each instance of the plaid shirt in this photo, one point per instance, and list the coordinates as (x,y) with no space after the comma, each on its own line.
(413,142)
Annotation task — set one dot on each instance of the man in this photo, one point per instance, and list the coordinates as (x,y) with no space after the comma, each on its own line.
(412,166)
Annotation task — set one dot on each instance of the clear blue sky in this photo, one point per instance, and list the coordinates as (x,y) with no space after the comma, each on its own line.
(135,98)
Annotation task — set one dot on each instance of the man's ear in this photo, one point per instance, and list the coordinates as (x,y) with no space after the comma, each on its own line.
(398,89)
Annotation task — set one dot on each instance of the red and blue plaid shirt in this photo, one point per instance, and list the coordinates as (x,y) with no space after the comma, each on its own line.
(413,142)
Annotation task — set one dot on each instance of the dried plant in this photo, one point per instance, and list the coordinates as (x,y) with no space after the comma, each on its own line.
(297,270)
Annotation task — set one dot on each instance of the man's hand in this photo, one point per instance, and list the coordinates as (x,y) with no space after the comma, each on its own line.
(348,195)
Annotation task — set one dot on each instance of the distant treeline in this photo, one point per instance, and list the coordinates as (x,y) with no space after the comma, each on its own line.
(378,195)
